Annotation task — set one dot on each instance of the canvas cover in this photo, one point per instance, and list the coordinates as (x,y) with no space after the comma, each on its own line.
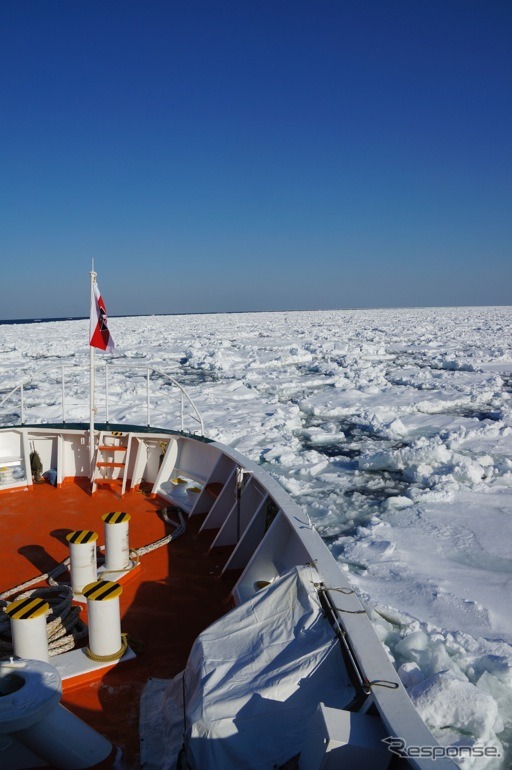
(252,682)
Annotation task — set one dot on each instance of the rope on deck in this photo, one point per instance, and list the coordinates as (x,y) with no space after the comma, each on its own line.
(180,529)
(64,626)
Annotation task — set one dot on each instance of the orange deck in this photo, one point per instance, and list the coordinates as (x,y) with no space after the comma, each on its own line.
(175,593)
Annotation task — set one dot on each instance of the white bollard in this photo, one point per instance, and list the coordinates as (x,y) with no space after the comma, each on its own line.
(82,552)
(104,619)
(117,541)
(28,628)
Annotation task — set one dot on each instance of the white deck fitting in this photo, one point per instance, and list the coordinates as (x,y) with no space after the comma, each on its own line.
(75,663)
(114,575)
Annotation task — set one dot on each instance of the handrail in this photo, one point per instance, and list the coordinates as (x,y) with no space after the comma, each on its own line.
(185,398)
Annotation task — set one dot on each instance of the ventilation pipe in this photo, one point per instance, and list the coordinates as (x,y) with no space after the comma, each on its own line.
(35,727)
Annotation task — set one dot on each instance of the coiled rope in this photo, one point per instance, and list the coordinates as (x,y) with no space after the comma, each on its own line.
(64,626)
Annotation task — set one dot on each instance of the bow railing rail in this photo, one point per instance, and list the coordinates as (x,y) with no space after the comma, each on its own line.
(104,406)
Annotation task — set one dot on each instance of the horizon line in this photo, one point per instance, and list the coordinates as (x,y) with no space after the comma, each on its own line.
(47,319)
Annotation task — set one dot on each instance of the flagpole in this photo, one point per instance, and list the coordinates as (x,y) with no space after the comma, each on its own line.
(99,337)
(92,384)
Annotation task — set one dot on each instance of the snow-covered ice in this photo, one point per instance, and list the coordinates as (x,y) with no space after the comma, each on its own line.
(392,429)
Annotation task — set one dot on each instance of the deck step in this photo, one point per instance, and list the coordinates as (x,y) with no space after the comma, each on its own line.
(110,463)
(108,482)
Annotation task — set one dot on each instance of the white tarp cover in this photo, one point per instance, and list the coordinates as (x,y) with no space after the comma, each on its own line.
(252,681)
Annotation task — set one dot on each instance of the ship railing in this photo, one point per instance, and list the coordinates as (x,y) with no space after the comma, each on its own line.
(187,410)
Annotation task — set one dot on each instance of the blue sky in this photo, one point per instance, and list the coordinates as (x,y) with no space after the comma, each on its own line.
(220,155)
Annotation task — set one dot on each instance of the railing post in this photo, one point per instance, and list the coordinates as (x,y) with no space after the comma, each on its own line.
(147,397)
(184,396)
(106,393)
(62,392)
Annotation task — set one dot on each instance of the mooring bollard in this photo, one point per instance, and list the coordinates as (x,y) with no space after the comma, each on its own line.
(82,553)
(117,540)
(28,628)
(105,640)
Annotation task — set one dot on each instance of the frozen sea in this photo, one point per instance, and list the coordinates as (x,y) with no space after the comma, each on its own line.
(391,428)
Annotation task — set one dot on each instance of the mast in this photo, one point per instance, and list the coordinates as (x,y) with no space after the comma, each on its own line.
(92,406)
(99,337)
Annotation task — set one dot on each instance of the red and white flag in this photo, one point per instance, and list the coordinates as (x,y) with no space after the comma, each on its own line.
(99,331)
